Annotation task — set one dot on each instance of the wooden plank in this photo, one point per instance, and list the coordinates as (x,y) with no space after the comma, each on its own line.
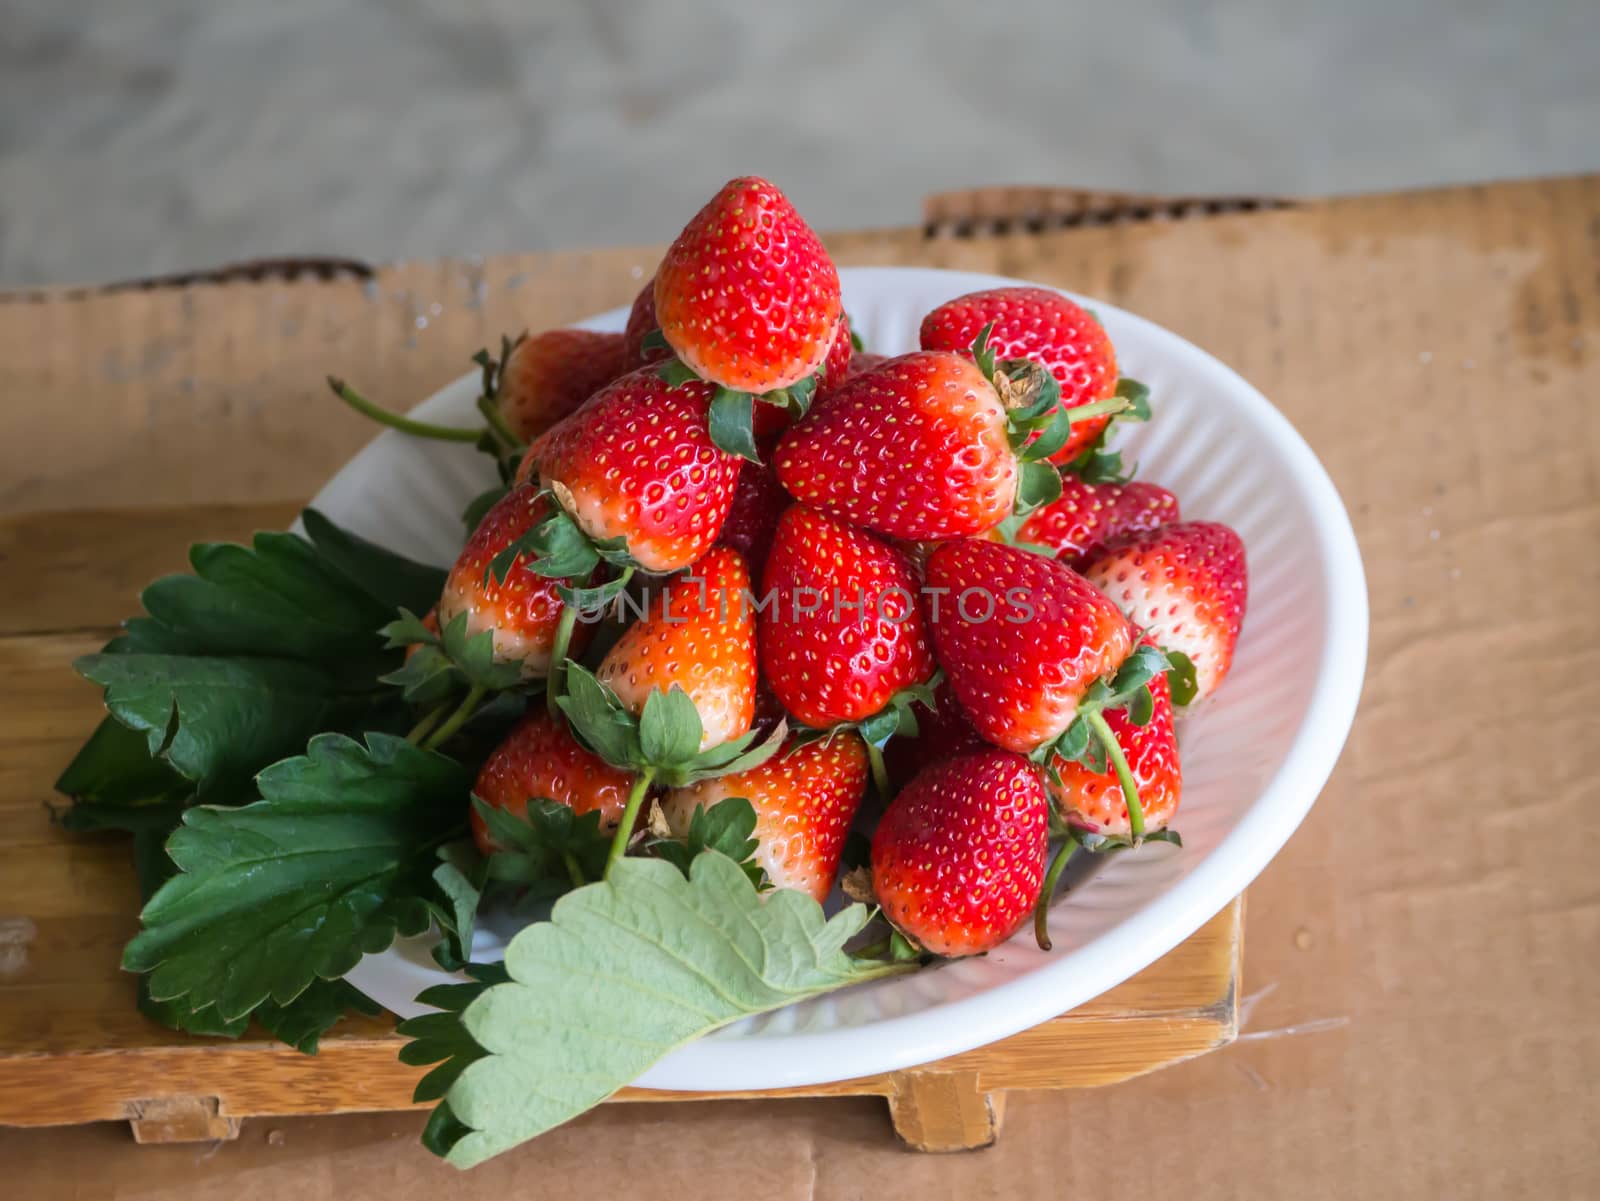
(1119,1035)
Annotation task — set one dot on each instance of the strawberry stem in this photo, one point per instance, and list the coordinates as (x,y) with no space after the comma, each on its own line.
(1119,763)
(558,659)
(428,721)
(880,772)
(457,719)
(1041,911)
(496,421)
(573,870)
(630,817)
(1114,404)
(406,425)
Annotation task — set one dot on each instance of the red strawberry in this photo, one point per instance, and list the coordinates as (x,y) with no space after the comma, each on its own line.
(747,297)
(549,375)
(700,634)
(958,859)
(757,504)
(1095,801)
(805,798)
(1087,516)
(916,448)
(1042,325)
(942,733)
(1186,584)
(525,609)
(540,759)
(637,463)
(1020,637)
(836,367)
(641,322)
(843,633)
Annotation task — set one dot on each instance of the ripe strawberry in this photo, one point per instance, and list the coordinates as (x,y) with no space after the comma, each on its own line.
(1095,801)
(916,448)
(758,502)
(641,322)
(958,859)
(1042,325)
(1186,584)
(524,610)
(636,463)
(549,375)
(805,798)
(843,634)
(1021,638)
(539,758)
(747,297)
(836,367)
(943,732)
(700,634)
(1087,516)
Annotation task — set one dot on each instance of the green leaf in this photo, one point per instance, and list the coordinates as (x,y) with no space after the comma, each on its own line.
(676,373)
(440,1037)
(303,1021)
(393,580)
(1052,438)
(1139,397)
(674,958)
(231,715)
(474,655)
(548,845)
(669,728)
(729,420)
(459,879)
(726,759)
(982,355)
(599,718)
(1142,707)
(427,678)
(728,828)
(116,768)
(328,866)
(176,1016)
(563,550)
(655,340)
(408,630)
(1040,484)
(1136,672)
(1180,677)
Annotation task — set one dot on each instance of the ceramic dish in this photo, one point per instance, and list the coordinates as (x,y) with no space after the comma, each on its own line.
(1254,757)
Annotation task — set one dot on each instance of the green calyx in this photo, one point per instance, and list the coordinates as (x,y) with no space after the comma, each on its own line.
(729,828)
(1094,464)
(547,851)
(558,549)
(445,664)
(730,418)
(897,718)
(664,740)
(1090,740)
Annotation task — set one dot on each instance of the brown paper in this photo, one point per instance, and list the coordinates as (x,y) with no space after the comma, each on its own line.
(1420,972)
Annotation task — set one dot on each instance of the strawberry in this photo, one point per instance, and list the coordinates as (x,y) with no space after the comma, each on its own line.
(1041,325)
(699,634)
(539,758)
(958,859)
(523,608)
(1087,516)
(916,448)
(747,297)
(641,324)
(943,731)
(1021,638)
(1186,584)
(842,641)
(805,798)
(547,376)
(758,502)
(1093,800)
(836,367)
(843,633)
(931,444)
(636,463)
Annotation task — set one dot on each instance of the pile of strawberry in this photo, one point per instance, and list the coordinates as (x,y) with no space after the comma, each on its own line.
(910,596)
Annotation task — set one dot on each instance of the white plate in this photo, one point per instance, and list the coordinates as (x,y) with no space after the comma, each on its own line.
(1254,758)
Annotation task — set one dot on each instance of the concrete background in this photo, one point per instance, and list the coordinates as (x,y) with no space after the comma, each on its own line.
(141,136)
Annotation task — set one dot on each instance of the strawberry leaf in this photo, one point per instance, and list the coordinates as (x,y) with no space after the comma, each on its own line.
(333,861)
(1138,396)
(440,1037)
(669,728)
(392,580)
(303,1021)
(1039,484)
(1180,678)
(675,373)
(730,420)
(459,879)
(654,340)
(598,718)
(116,770)
(1134,676)
(728,827)
(674,958)
(548,844)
